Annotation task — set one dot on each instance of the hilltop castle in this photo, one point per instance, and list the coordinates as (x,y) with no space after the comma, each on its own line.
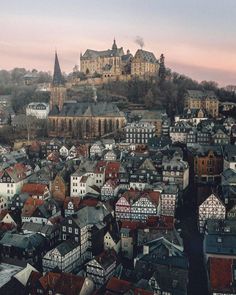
(114,62)
(81,120)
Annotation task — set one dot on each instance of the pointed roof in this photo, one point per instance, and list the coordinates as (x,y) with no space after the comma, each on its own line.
(57,75)
(114,46)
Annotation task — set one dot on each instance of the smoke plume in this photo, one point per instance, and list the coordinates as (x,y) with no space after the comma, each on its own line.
(139,41)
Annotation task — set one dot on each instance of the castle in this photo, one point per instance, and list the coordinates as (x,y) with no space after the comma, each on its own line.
(114,62)
(82,120)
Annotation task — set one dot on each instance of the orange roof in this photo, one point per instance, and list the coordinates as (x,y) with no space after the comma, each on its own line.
(34,188)
(30,206)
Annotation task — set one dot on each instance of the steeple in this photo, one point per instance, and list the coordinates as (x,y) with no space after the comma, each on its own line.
(57,75)
(114,46)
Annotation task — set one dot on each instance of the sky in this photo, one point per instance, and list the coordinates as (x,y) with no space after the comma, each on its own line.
(197,37)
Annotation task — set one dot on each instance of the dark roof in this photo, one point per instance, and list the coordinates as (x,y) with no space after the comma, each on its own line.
(23,241)
(80,109)
(145,55)
(57,75)
(66,246)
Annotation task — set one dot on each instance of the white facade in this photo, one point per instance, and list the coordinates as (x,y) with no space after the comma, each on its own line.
(40,110)
(97,149)
(109,243)
(80,187)
(64,151)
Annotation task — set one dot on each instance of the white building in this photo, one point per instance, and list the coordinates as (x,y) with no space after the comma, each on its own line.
(211,208)
(178,133)
(169,197)
(109,190)
(97,149)
(12,179)
(139,132)
(40,110)
(3,204)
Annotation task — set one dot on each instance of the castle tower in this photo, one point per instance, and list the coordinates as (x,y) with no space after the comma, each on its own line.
(58,89)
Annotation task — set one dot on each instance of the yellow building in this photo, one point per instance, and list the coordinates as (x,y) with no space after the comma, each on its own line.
(207,100)
(109,63)
(144,63)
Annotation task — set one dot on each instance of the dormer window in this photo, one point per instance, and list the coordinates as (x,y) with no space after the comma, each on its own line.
(219,240)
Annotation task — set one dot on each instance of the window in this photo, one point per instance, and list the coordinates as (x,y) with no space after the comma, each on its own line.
(70,229)
(76,231)
(64,228)
(70,221)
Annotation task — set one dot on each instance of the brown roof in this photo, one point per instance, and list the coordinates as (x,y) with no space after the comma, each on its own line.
(30,206)
(118,286)
(34,188)
(221,274)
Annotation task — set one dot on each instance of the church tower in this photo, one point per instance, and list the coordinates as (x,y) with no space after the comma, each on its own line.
(58,89)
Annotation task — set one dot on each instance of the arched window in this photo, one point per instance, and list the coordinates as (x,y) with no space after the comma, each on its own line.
(117,124)
(99,127)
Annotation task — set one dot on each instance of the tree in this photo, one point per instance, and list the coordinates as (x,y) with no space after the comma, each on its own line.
(149,99)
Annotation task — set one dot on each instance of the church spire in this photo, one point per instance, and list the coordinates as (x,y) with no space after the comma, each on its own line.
(114,46)
(57,75)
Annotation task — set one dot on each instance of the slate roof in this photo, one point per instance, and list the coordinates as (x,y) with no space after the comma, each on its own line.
(66,247)
(146,56)
(23,241)
(57,75)
(87,109)
(201,94)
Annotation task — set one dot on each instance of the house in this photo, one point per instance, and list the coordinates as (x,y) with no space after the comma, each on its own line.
(50,231)
(137,205)
(18,280)
(219,248)
(12,179)
(229,154)
(87,227)
(220,137)
(40,110)
(40,212)
(110,155)
(10,218)
(18,201)
(59,188)
(193,116)
(169,199)
(207,163)
(66,256)
(164,266)
(207,100)
(57,283)
(128,233)
(64,151)
(23,248)
(112,238)
(139,133)
(211,208)
(101,268)
(109,143)
(86,185)
(71,205)
(3,204)
(109,190)
(97,149)
(179,132)
(228,186)
(92,174)
(36,190)
(175,170)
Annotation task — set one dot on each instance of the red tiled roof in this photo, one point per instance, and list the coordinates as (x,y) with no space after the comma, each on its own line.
(34,188)
(221,274)
(118,286)
(136,194)
(30,206)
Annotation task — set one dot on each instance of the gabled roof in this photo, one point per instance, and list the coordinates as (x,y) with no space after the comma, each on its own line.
(147,56)
(34,188)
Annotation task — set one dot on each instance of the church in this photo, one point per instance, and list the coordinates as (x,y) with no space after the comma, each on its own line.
(82,120)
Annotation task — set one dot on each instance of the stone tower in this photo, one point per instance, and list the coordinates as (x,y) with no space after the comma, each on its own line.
(58,89)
